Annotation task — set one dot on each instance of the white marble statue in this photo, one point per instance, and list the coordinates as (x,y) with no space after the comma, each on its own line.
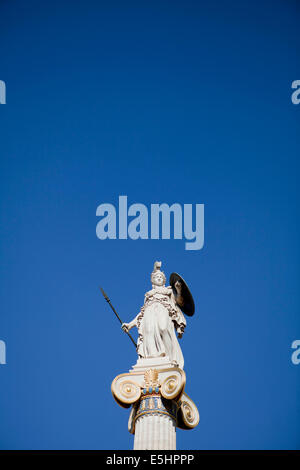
(158,319)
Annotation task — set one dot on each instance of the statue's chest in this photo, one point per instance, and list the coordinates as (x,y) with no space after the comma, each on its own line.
(158,299)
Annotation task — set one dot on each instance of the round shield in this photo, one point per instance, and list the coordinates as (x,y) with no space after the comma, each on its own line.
(184,300)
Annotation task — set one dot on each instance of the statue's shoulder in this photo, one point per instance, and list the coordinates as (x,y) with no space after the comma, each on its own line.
(149,293)
(165,290)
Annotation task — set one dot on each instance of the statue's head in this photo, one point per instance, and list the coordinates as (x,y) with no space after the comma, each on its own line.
(158,278)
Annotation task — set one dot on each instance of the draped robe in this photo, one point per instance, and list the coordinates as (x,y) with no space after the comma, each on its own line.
(156,324)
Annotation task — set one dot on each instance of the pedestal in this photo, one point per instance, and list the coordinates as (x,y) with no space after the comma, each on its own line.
(154,388)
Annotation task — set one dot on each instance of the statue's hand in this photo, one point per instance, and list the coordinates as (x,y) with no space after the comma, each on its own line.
(178,287)
(180,331)
(125,327)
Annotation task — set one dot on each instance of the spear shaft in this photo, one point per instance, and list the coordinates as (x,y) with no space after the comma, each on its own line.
(112,307)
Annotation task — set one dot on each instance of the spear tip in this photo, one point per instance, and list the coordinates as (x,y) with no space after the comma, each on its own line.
(104,294)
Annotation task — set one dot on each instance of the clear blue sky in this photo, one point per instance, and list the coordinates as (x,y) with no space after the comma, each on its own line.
(163,101)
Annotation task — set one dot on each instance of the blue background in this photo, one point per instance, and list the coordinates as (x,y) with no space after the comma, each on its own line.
(162,101)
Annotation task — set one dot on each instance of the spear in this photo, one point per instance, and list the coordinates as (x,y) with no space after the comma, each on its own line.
(111,306)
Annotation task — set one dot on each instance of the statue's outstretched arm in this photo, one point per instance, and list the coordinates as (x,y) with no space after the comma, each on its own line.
(127,326)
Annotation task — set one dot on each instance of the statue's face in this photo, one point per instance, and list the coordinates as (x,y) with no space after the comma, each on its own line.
(158,279)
